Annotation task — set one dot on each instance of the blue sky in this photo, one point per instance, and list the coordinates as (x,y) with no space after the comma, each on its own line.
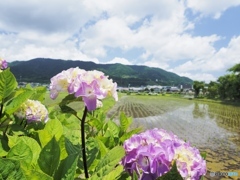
(193,38)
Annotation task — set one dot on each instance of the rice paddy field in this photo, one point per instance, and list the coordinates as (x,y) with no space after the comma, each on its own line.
(212,127)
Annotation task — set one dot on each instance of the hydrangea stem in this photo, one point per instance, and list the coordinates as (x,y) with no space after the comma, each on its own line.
(83,143)
(1,110)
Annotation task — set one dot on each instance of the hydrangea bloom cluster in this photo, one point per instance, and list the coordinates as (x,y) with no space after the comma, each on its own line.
(3,64)
(152,153)
(90,85)
(32,111)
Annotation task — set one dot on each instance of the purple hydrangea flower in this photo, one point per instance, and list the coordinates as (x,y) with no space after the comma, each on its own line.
(3,64)
(152,153)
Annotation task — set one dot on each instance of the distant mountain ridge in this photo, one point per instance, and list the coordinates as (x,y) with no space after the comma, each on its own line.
(42,69)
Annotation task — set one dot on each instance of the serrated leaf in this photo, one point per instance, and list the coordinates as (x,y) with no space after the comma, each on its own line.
(30,142)
(36,175)
(49,157)
(114,173)
(7,83)
(21,152)
(10,169)
(96,123)
(125,122)
(113,128)
(109,161)
(102,148)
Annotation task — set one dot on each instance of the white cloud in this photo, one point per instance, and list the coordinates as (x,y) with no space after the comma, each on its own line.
(44,16)
(201,69)
(112,32)
(213,8)
(206,77)
(15,48)
(154,33)
(119,60)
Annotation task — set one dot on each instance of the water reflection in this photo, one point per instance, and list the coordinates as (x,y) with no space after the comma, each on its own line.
(199,110)
(211,127)
(227,117)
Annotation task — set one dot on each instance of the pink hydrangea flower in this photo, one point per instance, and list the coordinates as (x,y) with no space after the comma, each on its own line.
(32,111)
(90,85)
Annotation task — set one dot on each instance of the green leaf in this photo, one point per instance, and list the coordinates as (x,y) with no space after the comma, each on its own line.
(114,173)
(55,128)
(21,152)
(95,122)
(113,128)
(39,93)
(125,122)
(49,157)
(102,148)
(36,175)
(127,135)
(17,101)
(71,148)
(3,146)
(10,169)
(109,161)
(68,99)
(33,145)
(92,153)
(63,151)
(26,141)
(7,83)
(67,168)
(44,137)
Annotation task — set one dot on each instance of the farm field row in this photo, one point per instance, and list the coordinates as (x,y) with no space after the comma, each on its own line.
(211,127)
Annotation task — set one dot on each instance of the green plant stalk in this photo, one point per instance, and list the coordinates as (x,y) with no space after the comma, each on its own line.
(83,143)
(1,110)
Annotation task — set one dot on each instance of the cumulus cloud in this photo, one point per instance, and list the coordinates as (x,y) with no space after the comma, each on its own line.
(219,61)
(153,33)
(213,8)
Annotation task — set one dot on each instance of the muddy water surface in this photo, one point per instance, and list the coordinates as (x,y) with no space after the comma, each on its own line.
(211,127)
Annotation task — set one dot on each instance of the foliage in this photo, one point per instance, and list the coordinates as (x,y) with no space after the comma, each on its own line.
(227,87)
(51,149)
(197,86)
(235,68)
(212,90)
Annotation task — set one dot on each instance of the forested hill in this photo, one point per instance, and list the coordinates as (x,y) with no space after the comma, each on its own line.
(42,69)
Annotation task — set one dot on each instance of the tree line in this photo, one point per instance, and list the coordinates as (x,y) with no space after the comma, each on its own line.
(226,87)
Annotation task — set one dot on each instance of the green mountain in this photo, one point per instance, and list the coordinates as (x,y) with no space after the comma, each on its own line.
(42,69)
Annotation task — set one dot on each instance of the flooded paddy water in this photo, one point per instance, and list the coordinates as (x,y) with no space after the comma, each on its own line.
(213,128)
